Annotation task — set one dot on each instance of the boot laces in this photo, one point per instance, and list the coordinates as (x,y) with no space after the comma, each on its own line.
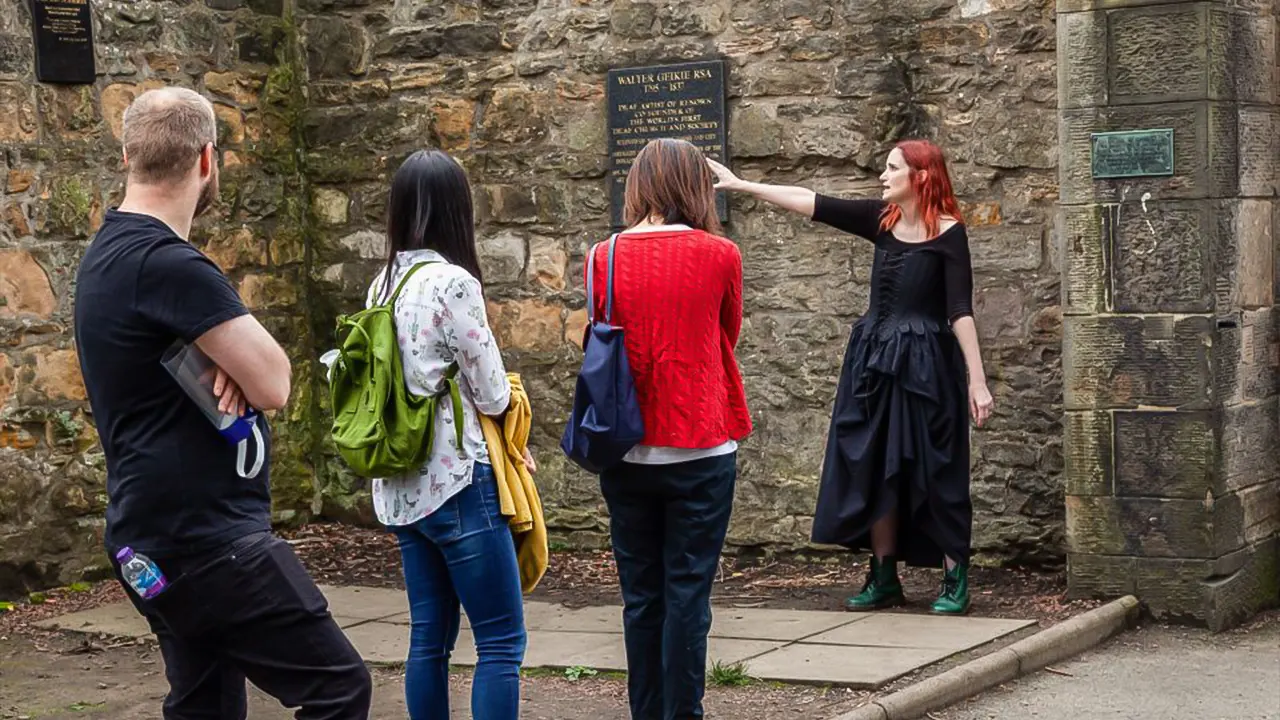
(950,585)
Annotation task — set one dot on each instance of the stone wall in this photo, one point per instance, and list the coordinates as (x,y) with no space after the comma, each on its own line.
(60,166)
(1172,341)
(321,99)
(818,91)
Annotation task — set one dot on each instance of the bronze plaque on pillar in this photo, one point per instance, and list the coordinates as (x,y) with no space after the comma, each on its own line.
(1132,153)
(64,41)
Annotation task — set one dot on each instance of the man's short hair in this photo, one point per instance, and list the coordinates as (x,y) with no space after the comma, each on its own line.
(164,132)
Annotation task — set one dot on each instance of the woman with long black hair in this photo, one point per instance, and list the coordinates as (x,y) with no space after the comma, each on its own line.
(455,545)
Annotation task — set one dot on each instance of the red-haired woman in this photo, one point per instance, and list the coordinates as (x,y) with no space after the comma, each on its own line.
(896,475)
(678,292)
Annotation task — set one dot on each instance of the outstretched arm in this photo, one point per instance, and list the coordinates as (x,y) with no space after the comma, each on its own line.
(795,199)
(859,216)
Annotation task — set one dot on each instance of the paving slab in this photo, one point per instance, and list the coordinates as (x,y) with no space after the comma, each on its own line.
(862,650)
(550,616)
(765,624)
(558,648)
(120,619)
(852,666)
(365,602)
(920,631)
(380,642)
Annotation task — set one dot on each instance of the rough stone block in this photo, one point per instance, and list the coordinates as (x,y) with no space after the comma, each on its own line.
(1244,583)
(528,325)
(1191,158)
(1164,454)
(24,286)
(1254,261)
(1128,361)
(1007,247)
(547,263)
(1217,593)
(335,48)
(1145,527)
(7,378)
(1086,253)
(19,123)
(1241,56)
(1082,59)
(1101,576)
(502,256)
(1156,54)
(1087,448)
(1247,516)
(1258,140)
(1246,357)
(1161,258)
(1275,236)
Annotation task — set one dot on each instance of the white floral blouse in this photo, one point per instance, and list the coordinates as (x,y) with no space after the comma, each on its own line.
(440,317)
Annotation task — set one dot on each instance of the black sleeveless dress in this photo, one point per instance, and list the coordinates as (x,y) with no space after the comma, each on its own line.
(899,435)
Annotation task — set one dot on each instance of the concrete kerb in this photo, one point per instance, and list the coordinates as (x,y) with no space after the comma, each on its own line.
(1057,643)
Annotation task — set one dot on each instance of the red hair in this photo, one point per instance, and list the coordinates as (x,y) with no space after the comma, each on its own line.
(931,185)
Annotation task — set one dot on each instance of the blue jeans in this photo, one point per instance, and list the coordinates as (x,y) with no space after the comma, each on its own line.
(464,552)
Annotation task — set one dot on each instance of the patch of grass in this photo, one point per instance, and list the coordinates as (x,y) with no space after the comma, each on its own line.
(735,675)
(6,607)
(577,672)
(558,546)
(83,706)
(37,598)
(79,587)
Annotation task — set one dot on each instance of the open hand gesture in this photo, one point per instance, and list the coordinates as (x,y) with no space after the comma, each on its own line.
(725,179)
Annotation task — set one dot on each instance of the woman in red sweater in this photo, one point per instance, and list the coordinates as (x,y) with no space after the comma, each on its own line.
(678,294)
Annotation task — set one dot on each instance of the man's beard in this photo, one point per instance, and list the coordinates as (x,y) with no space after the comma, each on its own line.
(208,196)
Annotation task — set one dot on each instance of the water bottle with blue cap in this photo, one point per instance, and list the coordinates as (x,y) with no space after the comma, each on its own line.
(195,373)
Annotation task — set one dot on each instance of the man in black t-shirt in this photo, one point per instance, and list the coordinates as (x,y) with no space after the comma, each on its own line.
(239,604)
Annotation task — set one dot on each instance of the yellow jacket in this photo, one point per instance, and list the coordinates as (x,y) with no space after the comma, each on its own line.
(517,495)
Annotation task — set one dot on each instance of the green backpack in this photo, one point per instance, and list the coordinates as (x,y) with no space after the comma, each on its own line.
(380,428)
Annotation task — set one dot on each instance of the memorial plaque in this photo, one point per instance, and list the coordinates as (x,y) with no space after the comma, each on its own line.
(1132,153)
(681,102)
(64,41)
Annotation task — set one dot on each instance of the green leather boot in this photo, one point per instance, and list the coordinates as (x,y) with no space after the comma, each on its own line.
(882,589)
(954,599)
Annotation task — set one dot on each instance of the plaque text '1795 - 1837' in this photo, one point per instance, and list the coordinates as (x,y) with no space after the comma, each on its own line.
(682,102)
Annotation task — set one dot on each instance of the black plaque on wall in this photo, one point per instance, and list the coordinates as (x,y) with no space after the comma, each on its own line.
(683,102)
(64,41)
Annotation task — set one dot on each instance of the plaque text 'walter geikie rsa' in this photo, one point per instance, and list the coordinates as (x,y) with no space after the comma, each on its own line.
(64,41)
(682,102)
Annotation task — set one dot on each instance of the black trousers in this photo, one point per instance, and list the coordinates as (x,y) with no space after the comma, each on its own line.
(668,524)
(250,611)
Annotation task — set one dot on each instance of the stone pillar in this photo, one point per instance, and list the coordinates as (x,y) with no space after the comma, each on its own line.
(1171,334)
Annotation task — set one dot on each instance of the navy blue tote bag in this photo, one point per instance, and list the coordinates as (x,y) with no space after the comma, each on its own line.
(606,421)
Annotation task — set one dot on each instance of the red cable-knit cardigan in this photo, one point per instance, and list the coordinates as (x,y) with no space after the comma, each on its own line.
(678,297)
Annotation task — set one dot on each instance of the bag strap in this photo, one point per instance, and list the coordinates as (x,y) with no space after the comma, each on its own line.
(400,286)
(451,380)
(591,283)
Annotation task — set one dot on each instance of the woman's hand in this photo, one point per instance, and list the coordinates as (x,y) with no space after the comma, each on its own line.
(529,464)
(725,179)
(980,402)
